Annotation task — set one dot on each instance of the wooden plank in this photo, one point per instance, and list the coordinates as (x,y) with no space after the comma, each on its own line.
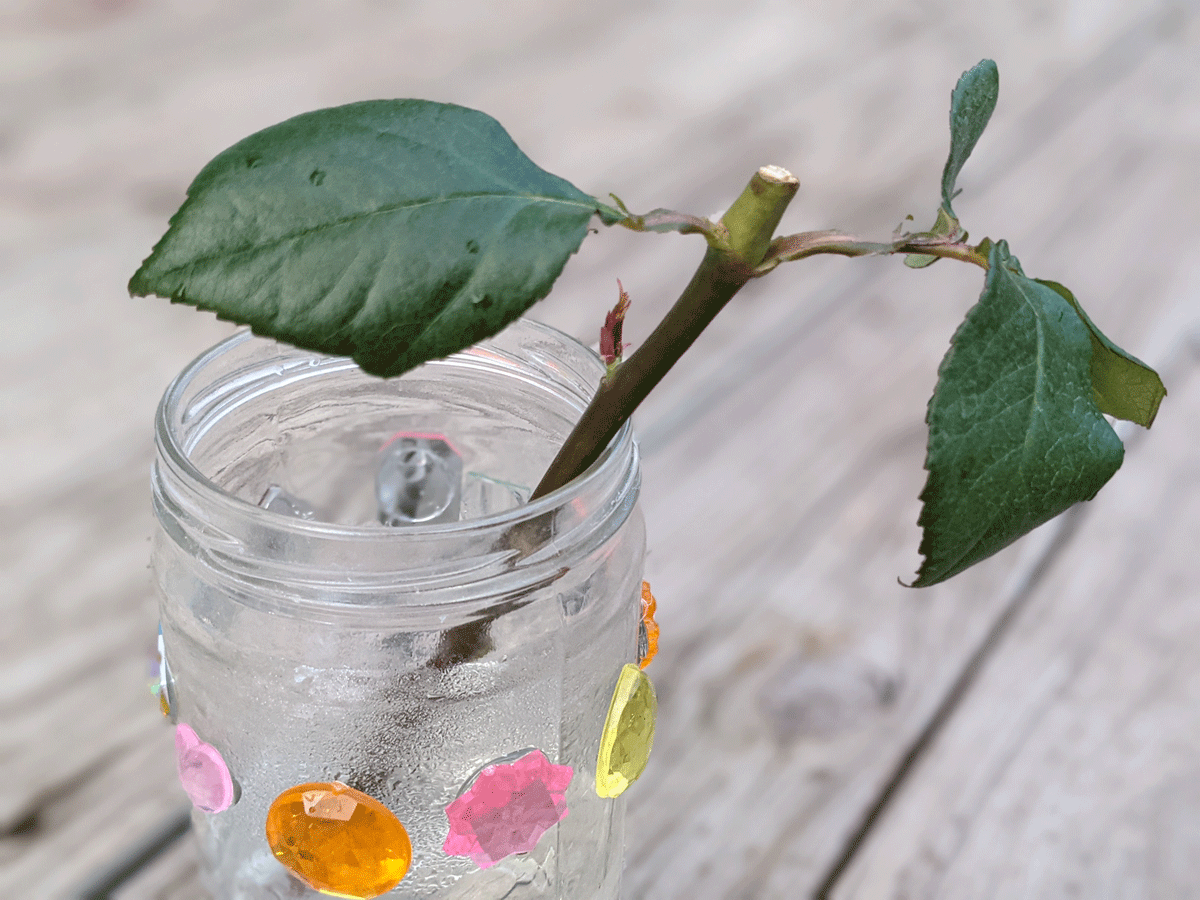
(805,674)
(174,875)
(1071,768)
(836,667)
(954,819)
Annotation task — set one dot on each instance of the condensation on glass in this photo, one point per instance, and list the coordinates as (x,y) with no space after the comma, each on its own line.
(398,660)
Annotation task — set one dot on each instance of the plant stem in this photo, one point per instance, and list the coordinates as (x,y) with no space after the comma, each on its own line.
(811,243)
(751,223)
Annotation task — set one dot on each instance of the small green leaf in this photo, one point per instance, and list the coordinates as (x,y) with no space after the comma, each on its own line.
(919,260)
(393,231)
(971,106)
(611,215)
(1015,437)
(1122,385)
(944,226)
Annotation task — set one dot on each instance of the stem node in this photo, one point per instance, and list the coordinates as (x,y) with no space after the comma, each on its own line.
(751,222)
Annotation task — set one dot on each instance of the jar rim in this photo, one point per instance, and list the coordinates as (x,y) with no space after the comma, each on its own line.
(170,445)
(227,532)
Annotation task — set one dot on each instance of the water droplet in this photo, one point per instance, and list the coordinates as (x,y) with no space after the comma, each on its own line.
(472,246)
(316,177)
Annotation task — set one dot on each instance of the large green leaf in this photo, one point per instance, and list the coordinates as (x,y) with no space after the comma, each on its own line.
(1015,437)
(971,105)
(393,231)
(1122,385)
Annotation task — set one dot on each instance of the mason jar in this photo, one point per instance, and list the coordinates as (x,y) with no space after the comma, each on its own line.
(308,642)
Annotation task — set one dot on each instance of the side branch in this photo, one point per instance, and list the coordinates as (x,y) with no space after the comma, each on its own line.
(812,243)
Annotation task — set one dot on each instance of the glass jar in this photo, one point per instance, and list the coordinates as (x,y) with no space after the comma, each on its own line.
(324,646)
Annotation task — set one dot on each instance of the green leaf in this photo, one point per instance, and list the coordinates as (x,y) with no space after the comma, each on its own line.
(1123,386)
(944,226)
(393,231)
(919,260)
(971,106)
(1015,437)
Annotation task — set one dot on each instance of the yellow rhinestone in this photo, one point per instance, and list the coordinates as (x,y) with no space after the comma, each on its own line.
(337,840)
(628,734)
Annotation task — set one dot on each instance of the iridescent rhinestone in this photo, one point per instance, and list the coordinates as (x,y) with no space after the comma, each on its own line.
(338,840)
(647,628)
(202,772)
(628,735)
(508,807)
(419,481)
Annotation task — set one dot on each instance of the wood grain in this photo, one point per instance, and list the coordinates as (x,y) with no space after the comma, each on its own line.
(782,458)
(1071,768)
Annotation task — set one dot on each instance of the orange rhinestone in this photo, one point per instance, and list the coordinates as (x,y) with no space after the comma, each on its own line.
(649,626)
(338,840)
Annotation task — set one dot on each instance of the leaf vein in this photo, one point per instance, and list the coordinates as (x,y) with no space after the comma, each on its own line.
(359,218)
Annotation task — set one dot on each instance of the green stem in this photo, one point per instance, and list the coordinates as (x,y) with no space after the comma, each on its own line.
(751,223)
(961,252)
(811,243)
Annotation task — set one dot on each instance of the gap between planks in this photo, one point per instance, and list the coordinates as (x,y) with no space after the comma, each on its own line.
(1180,366)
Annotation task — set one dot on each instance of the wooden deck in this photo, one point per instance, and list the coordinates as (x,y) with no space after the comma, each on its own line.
(1030,729)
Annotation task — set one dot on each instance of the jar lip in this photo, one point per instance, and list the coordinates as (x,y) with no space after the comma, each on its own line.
(174,453)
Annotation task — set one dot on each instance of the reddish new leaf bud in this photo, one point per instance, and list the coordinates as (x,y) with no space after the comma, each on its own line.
(610,335)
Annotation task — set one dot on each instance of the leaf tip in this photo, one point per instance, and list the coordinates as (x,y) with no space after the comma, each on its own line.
(136,287)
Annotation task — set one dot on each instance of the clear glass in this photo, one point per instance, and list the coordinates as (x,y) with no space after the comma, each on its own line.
(399,660)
